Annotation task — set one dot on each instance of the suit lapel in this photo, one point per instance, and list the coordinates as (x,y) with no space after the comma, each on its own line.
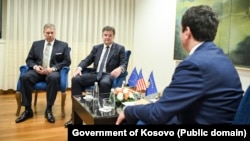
(99,52)
(41,49)
(111,52)
(54,47)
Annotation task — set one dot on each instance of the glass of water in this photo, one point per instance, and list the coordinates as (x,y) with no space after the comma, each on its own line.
(107,107)
(107,104)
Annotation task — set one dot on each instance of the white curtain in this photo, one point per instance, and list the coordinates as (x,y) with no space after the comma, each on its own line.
(78,22)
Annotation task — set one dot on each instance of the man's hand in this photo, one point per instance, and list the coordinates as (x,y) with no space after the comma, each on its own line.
(77,72)
(120,118)
(116,72)
(39,69)
(43,71)
(47,71)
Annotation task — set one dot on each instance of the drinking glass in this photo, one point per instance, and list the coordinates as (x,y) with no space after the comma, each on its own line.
(107,104)
(107,107)
(88,95)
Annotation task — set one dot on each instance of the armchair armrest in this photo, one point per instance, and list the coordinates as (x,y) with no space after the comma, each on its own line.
(64,78)
(23,69)
(119,80)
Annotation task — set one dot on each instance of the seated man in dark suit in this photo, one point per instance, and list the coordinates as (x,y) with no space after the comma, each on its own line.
(113,65)
(45,59)
(205,87)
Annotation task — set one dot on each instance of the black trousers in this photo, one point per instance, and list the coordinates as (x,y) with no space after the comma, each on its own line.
(28,81)
(80,83)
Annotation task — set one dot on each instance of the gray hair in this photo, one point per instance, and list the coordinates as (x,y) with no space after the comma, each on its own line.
(49,25)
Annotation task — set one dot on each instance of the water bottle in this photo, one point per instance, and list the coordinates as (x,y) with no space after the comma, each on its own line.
(96,103)
(96,90)
(112,97)
(123,84)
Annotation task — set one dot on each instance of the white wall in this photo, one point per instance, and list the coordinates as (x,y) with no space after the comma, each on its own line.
(154,41)
(2,49)
(245,77)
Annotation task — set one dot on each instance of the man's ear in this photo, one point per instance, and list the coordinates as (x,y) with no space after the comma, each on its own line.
(187,32)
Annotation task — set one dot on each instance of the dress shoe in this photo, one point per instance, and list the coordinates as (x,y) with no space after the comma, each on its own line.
(25,115)
(68,123)
(49,116)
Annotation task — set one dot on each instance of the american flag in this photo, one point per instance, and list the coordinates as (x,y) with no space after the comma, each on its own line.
(141,85)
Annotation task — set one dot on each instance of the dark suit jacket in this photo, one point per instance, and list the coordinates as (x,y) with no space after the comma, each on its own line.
(205,89)
(115,59)
(60,55)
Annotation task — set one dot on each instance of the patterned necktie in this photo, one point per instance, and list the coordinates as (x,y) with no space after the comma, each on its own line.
(46,56)
(99,75)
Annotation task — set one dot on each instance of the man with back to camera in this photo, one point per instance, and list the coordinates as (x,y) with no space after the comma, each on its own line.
(205,87)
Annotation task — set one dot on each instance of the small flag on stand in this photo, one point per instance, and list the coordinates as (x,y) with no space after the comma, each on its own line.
(132,81)
(152,86)
(141,85)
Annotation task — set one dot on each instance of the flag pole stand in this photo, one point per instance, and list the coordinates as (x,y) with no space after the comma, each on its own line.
(142,94)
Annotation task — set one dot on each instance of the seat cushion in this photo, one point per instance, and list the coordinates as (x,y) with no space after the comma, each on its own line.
(40,86)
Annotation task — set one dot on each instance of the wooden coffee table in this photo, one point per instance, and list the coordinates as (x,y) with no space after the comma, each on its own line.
(82,113)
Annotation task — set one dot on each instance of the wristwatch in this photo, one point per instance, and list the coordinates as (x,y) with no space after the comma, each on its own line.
(54,69)
(122,69)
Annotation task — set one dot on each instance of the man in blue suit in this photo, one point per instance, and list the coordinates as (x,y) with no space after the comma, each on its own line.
(45,59)
(114,64)
(205,87)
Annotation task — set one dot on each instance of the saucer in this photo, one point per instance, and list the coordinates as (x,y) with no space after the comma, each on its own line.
(88,97)
(105,110)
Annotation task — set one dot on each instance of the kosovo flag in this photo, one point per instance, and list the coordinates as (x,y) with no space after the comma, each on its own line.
(152,87)
(132,81)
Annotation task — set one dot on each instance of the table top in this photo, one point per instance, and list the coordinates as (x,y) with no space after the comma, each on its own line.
(89,105)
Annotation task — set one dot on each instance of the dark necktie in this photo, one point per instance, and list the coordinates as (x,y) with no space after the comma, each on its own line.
(46,55)
(99,75)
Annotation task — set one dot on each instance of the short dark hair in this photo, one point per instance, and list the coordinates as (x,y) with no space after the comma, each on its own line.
(108,28)
(202,21)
